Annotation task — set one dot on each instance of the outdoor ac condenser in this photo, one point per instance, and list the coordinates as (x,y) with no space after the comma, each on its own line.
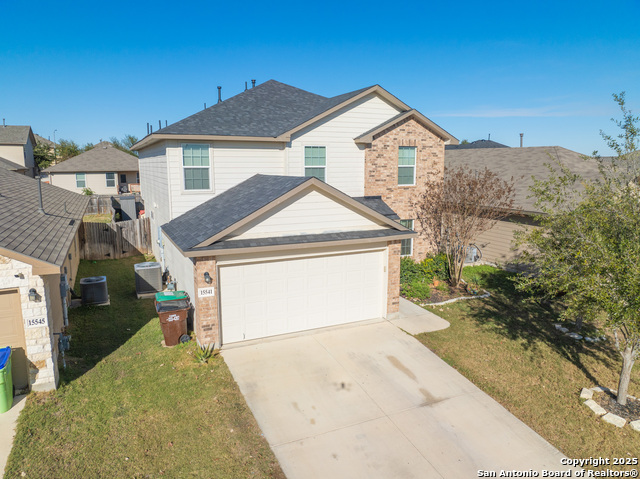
(148,277)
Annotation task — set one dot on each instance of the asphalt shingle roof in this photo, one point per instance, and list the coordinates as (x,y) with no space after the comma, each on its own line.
(11,166)
(235,204)
(476,144)
(268,110)
(14,135)
(103,157)
(24,230)
(521,164)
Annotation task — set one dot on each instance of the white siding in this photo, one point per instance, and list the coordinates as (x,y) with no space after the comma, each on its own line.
(14,153)
(180,268)
(97,182)
(345,159)
(312,213)
(232,163)
(154,185)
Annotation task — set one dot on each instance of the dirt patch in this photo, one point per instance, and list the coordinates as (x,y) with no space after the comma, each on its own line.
(630,412)
(443,293)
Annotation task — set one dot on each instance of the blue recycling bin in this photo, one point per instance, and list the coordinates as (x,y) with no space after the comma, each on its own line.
(6,380)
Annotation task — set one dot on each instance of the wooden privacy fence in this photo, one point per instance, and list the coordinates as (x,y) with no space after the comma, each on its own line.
(115,240)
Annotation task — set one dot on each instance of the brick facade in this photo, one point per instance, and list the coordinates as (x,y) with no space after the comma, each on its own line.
(41,344)
(393,281)
(206,309)
(381,172)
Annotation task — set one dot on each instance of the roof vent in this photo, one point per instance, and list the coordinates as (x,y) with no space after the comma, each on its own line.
(253,83)
(219,94)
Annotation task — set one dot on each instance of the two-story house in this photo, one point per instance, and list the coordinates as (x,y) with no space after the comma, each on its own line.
(263,255)
(16,146)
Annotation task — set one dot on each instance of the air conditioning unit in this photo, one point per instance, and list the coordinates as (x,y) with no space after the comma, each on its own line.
(94,290)
(148,277)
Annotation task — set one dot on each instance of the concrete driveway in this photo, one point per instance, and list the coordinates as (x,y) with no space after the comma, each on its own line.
(370,401)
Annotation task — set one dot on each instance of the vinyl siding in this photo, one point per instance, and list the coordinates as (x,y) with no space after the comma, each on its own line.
(14,153)
(97,182)
(180,268)
(345,159)
(311,213)
(496,244)
(154,186)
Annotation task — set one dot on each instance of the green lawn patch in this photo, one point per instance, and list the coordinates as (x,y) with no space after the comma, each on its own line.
(511,350)
(97,218)
(128,408)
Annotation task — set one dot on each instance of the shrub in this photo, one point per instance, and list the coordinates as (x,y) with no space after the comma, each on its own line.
(425,271)
(87,191)
(416,289)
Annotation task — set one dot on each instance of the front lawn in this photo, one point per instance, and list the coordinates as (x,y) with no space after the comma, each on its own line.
(129,408)
(511,350)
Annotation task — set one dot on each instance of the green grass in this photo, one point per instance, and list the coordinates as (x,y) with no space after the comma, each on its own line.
(97,218)
(510,349)
(128,408)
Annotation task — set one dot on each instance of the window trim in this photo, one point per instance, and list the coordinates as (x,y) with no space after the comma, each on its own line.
(304,161)
(415,162)
(407,224)
(183,168)
(84,180)
(106,177)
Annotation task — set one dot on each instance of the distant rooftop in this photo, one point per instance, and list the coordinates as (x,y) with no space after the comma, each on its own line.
(476,144)
(104,157)
(15,135)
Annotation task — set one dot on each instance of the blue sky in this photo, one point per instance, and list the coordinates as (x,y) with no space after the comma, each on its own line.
(93,70)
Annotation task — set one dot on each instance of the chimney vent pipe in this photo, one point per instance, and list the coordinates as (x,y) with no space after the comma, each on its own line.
(253,83)
(521,135)
(219,94)
(41,206)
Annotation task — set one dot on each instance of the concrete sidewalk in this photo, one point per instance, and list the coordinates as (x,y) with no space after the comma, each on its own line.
(370,401)
(415,320)
(8,422)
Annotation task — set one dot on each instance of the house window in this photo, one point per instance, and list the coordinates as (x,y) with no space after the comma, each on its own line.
(406,246)
(123,178)
(111,180)
(81,181)
(195,163)
(315,162)
(407,165)
(138,177)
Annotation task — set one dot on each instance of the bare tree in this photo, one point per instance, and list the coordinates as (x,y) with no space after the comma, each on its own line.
(454,212)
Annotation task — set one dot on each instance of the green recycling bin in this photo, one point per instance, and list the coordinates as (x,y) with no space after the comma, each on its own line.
(6,380)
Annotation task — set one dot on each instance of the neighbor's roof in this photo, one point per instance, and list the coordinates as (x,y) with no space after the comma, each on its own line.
(104,157)
(205,226)
(521,164)
(476,144)
(16,135)
(11,166)
(271,111)
(40,139)
(28,235)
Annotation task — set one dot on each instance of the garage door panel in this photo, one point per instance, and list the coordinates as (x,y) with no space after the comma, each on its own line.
(294,295)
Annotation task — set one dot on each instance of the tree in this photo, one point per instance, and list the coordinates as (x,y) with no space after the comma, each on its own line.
(454,212)
(67,149)
(588,246)
(125,144)
(42,155)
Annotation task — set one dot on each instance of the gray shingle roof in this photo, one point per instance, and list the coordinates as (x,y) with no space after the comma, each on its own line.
(26,231)
(476,144)
(376,203)
(14,135)
(521,164)
(268,110)
(230,207)
(11,166)
(302,239)
(41,139)
(103,157)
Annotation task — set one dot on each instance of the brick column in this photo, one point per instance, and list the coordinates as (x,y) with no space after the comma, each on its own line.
(393,283)
(206,309)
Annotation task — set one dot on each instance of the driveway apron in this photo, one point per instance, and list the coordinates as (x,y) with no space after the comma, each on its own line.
(370,401)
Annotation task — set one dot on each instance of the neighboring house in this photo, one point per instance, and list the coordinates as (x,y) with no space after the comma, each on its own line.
(39,255)
(366,143)
(104,169)
(16,145)
(476,144)
(11,166)
(521,164)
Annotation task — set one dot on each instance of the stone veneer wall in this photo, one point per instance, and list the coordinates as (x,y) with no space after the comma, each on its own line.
(41,352)
(381,172)
(206,309)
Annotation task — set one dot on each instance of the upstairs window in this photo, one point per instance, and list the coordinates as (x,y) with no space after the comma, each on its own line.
(406,246)
(111,180)
(195,164)
(407,165)
(315,162)
(81,180)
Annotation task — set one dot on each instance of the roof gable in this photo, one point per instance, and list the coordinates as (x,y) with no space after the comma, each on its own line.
(104,157)
(367,137)
(247,207)
(16,135)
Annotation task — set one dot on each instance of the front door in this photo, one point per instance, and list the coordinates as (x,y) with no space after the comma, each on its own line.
(12,334)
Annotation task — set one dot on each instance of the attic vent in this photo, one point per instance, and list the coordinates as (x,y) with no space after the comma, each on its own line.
(72,222)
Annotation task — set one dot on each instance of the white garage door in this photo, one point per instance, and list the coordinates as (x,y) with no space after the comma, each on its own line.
(277,297)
